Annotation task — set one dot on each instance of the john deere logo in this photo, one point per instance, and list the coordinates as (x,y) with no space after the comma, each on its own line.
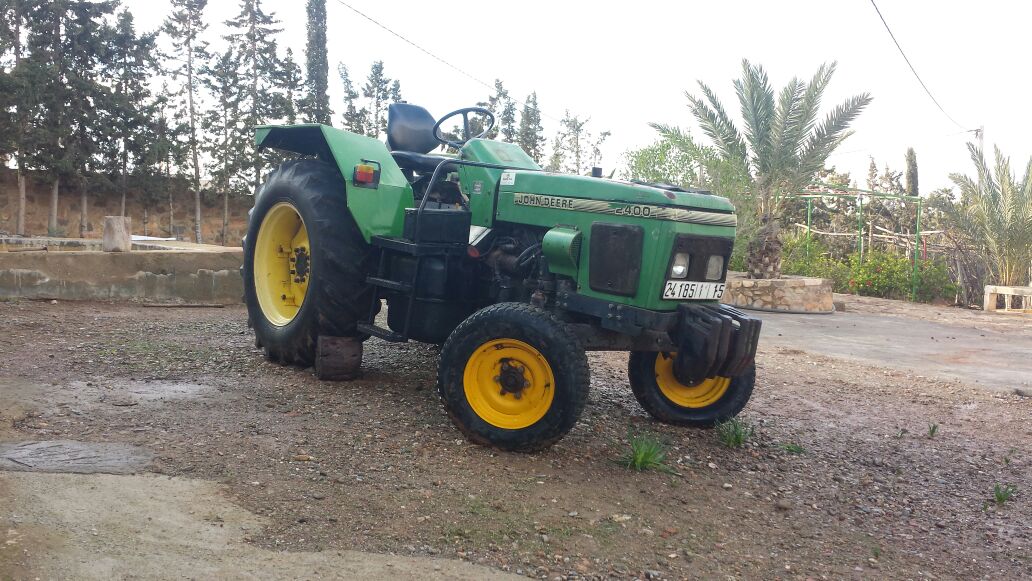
(543,201)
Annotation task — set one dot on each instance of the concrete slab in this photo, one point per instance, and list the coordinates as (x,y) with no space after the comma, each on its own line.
(992,357)
(99,527)
(73,457)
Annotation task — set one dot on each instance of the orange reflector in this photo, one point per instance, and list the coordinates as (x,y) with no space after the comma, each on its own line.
(364,174)
(473,252)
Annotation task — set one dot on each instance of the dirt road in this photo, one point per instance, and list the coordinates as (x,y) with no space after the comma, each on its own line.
(257,470)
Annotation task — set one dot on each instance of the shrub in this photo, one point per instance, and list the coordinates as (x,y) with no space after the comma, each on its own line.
(882,273)
(814,260)
(934,282)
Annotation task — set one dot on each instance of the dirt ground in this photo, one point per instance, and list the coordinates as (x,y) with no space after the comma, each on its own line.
(261,471)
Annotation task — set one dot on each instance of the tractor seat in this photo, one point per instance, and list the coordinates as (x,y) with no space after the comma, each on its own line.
(410,137)
(418,162)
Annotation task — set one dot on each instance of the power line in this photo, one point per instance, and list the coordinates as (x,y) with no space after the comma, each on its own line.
(912,69)
(433,56)
(923,141)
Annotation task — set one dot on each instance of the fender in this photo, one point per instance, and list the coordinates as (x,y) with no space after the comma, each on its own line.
(378,211)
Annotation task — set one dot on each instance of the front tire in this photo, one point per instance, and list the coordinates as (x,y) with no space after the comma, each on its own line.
(714,400)
(305,262)
(512,376)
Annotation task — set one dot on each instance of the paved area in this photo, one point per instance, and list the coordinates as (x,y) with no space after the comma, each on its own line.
(989,350)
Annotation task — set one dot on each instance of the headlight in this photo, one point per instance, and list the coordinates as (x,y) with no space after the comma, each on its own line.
(715,267)
(680,266)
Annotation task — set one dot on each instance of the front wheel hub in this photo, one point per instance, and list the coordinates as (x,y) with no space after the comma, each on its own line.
(511,378)
(508,383)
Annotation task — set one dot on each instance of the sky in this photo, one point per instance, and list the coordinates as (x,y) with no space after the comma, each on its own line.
(625,64)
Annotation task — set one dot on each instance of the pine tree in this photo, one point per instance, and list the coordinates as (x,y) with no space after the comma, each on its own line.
(161,148)
(504,109)
(288,81)
(531,134)
(316,104)
(44,71)
(222,124)
(557,160)
(133,65)
(168,149)
(185,26)
(252,36)
(354,117)
(70,109)
(381,90)
(90,105)
(912,188)
(14,97)
(872,175)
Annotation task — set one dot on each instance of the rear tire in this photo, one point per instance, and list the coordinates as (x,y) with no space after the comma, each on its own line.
(715,400)
(512,376)
(334,296)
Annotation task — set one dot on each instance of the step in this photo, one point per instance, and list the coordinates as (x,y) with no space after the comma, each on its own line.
(385,334)
(394,285)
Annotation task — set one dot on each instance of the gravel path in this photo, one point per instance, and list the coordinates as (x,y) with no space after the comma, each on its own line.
(842,479)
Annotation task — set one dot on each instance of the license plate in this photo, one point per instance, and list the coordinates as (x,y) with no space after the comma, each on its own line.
(689,290)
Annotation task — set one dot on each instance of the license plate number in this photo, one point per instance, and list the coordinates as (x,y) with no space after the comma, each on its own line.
(689,290)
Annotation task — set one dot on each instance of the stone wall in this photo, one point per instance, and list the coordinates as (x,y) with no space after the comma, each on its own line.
(155,275)
(789,294)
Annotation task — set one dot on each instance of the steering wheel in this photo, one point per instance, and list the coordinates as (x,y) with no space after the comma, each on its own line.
(465,112)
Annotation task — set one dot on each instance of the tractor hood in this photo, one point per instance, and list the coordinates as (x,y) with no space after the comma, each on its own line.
(609,190)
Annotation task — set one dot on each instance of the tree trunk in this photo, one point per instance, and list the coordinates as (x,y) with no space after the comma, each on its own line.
(19,227)
(764,251)
(52,218)
(197,216)
(84,216)
(225,217)
(122,180)
(145,218)
(171,215)
(193,143)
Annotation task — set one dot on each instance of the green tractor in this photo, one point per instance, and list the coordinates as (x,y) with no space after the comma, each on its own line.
(515,271)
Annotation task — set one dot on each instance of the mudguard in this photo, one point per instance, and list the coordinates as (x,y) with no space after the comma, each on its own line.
(379,210)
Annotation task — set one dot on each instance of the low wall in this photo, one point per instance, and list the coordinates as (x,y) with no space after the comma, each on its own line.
(154,275)
(790,294)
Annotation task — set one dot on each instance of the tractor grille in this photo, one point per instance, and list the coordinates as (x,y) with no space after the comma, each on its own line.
(614,258)
(701,248)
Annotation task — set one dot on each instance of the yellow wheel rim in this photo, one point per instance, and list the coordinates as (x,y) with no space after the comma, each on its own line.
(696,396)
(508,383)
(282,264)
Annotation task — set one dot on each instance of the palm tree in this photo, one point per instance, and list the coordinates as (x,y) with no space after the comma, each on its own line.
(995,213)
(783,146)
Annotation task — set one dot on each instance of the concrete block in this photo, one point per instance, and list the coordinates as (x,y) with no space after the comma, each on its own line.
(116,234)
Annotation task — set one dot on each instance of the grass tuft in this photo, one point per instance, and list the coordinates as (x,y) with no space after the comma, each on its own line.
(734,433)
(647,453)
(793,448)
(1002,494)
(933,429)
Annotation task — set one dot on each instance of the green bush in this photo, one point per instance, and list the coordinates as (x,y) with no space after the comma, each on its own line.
(934,282)
(814,261)
(882,273)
